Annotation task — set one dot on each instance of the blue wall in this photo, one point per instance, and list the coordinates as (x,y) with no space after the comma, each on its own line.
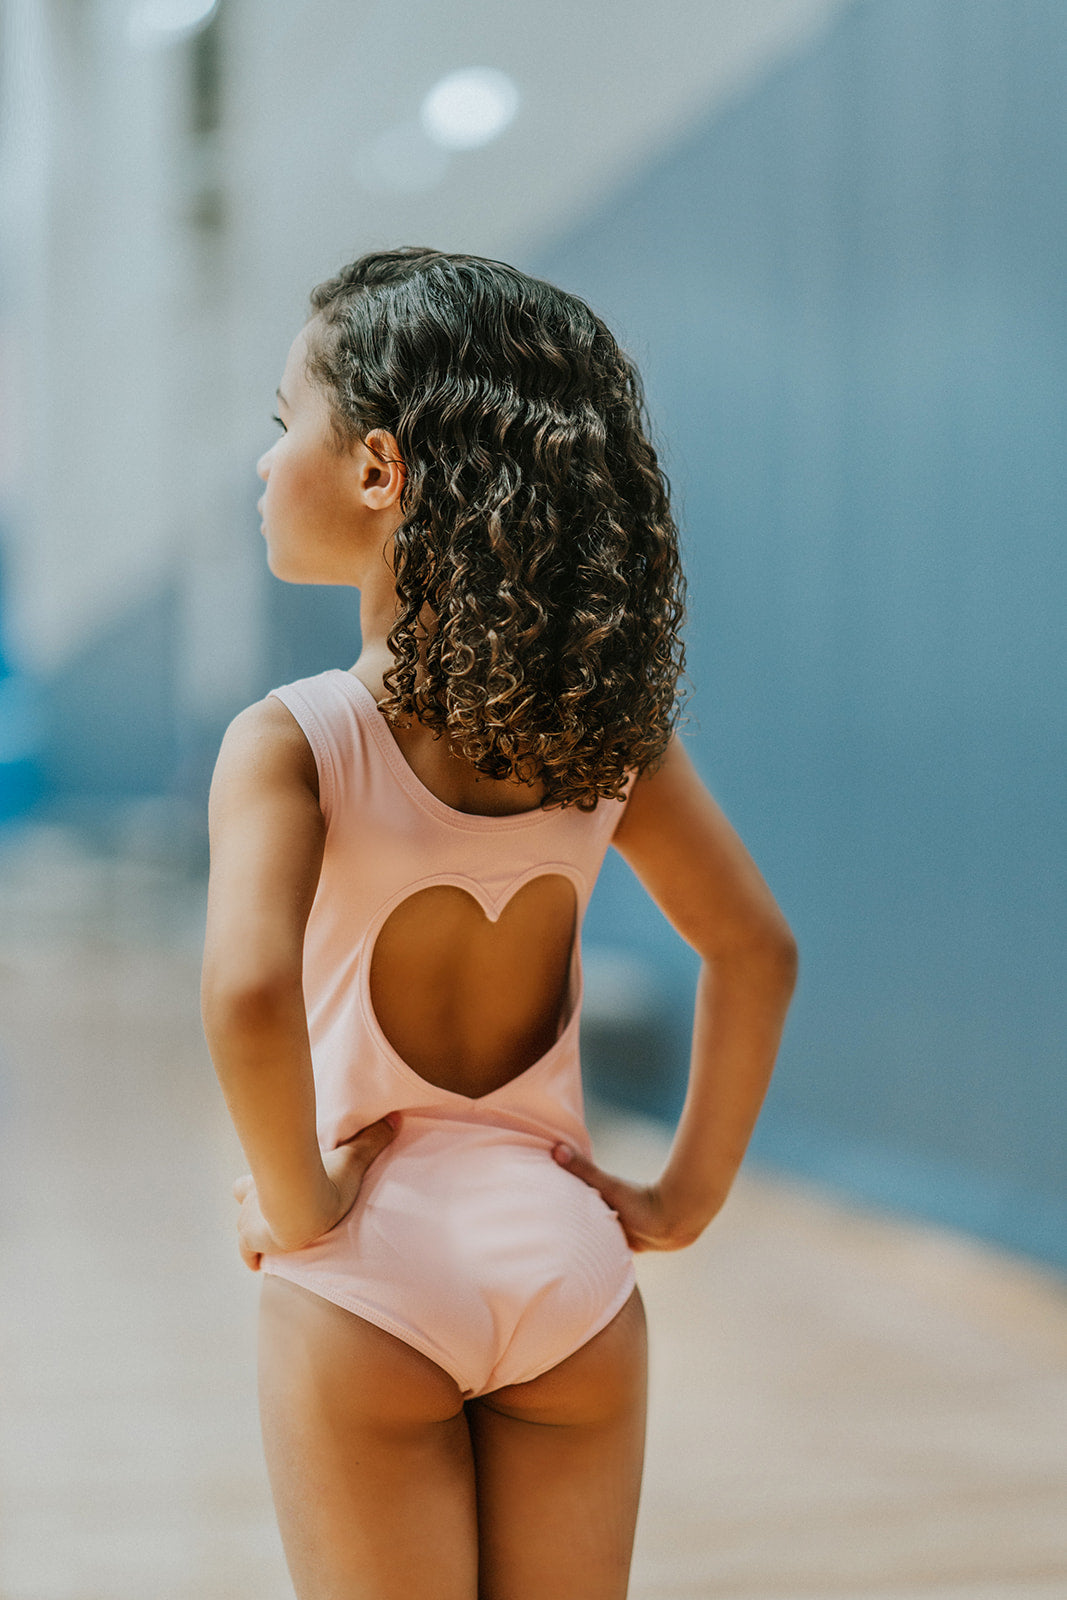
(847,298)
(20,732)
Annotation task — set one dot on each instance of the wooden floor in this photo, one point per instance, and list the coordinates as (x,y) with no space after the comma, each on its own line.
(843,1406)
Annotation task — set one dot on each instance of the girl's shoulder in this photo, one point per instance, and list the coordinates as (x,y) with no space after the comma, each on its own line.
(311,724)
(263,749)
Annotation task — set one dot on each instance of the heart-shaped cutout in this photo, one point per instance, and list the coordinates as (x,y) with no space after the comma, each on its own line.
(469,1003)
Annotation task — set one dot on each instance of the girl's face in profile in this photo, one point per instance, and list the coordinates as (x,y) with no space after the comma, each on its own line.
(322,509)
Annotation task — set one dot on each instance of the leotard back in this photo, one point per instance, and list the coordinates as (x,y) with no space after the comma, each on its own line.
(467,1240)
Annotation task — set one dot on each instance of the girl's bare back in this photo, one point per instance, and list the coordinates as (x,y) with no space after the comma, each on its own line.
(469,1003)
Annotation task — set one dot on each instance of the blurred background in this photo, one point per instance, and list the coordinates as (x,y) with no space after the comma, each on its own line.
(833,235)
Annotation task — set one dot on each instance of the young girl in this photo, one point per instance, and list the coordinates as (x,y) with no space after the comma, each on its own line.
(452,1347)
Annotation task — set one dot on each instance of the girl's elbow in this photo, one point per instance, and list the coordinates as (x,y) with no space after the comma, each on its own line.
(787,958)
(782,946)
(242,999)
(770,947)
(777,955)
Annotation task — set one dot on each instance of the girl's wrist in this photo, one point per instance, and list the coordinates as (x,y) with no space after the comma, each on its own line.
(295,1219)
(688,1210)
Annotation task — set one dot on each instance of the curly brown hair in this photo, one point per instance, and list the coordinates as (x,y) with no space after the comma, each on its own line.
(537,525)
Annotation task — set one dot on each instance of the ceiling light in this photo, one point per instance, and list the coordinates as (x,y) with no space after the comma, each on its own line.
(469,107)
(160,21)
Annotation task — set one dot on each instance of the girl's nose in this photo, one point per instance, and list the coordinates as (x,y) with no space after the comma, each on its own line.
(262,470)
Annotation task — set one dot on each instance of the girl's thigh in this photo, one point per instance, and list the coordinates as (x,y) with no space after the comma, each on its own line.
(368,1453)
(558,1464)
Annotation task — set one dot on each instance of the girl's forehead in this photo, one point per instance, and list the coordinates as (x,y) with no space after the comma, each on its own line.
(294,361)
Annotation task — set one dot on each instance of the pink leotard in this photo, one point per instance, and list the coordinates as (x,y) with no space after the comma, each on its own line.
(467,1240)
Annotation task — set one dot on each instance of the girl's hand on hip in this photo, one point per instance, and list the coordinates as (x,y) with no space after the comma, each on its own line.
(639,1207)
(345,1168)
(254,1238)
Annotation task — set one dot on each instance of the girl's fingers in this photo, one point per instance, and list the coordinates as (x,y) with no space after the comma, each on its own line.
(356,1154)
(587,1170)
(250,1257)
(634,1206)
(372,1140)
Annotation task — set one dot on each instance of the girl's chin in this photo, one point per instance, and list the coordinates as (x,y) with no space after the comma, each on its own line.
(286,571)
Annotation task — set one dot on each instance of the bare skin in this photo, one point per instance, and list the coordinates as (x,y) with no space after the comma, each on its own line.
(386,1486)
(385,1483)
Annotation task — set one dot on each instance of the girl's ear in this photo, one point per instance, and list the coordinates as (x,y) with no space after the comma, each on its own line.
(382,472)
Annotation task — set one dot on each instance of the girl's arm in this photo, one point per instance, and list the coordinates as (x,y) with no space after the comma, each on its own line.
(695,867)
(267,839)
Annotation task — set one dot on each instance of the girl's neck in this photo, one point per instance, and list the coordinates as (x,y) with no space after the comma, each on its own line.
(378,607)
(454,781)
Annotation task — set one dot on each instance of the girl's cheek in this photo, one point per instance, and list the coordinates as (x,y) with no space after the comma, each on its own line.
(300,482)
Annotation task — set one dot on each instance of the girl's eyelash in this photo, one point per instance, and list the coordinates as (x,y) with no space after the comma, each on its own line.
(280,423)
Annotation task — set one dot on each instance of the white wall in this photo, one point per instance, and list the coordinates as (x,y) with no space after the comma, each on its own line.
(90,280)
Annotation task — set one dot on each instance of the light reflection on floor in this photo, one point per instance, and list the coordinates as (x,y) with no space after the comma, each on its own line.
(843,1406)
